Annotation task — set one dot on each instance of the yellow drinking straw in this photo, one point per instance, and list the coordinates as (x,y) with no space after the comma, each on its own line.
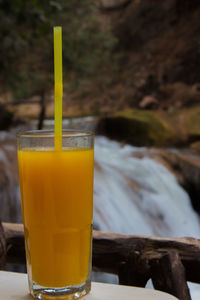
(58,87)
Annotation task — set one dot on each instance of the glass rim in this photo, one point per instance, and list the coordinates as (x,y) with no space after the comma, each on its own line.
(49,133)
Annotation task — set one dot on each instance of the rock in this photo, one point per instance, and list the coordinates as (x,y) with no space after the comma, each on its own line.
(189,167)
(178,95)
(189,120)
(148,102)
(153,128)
(184,166)
(136,127)
(110,4)
(196,146)
(6,118)
(157,40)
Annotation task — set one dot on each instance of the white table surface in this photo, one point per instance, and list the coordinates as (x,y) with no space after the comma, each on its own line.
(14,286)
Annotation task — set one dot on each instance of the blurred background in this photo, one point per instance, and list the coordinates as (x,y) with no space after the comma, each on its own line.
(131,73)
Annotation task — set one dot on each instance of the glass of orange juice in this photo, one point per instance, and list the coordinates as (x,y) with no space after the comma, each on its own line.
(57,207)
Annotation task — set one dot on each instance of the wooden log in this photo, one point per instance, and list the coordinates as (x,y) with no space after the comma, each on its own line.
(2,247)
(14,237)
(113,253)
(133,271)
(168,275)
(110,249)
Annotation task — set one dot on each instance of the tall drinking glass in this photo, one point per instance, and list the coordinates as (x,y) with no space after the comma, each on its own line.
(57,207)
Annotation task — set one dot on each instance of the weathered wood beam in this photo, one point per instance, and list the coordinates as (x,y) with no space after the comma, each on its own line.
(130,257)
(168,275)
(109,249)
(133,271)
(2,247)
(14,236)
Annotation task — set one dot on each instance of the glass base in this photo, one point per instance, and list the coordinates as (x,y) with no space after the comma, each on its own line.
(63,293)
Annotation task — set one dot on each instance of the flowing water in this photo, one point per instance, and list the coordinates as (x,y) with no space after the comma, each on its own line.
(131,195)
(9,188)
(139,196)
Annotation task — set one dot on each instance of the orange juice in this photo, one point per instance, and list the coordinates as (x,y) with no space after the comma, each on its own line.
(57,197)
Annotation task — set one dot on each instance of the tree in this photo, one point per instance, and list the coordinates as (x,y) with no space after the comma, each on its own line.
(26,54)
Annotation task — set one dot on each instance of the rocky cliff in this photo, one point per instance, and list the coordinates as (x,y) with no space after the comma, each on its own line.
(159,44)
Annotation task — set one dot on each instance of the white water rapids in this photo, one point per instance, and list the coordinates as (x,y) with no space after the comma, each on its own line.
(131,195)
(139,196)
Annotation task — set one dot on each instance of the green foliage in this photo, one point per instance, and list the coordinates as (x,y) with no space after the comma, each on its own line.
(26,52)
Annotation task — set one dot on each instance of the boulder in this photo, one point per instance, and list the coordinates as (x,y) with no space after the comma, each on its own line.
(153,128)
(136,127)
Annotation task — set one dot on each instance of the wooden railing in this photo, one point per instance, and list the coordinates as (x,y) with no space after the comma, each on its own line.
(170,263)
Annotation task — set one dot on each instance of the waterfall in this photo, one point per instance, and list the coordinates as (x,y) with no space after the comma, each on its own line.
(10,209)
(138,195)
